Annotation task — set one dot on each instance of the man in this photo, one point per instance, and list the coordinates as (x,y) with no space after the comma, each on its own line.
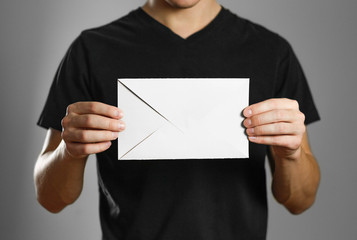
(181,199)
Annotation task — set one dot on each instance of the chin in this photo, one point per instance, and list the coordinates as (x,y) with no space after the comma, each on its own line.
(182,3)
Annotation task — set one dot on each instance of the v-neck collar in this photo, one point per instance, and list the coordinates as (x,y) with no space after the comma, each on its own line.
(164,30)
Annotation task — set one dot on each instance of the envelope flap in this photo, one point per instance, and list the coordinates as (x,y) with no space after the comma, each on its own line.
(141,123)
(157,94)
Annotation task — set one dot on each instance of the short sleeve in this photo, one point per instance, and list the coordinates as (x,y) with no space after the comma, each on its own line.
(70,85)
(292,84)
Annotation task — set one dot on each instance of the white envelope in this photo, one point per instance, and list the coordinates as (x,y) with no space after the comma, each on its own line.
(183,118)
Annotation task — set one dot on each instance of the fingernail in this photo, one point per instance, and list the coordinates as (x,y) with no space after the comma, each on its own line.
(249,112)
(249,122)
(121,126)
(252,137)
(250,130)
(115,134)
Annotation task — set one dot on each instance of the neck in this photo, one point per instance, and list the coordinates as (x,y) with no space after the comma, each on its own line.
(184,20)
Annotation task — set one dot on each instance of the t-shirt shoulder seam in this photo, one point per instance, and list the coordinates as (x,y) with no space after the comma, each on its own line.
(110,24)
(276,41)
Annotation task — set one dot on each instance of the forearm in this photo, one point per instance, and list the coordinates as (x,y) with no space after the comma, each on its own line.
(280,124)
(295,180)
(58,178)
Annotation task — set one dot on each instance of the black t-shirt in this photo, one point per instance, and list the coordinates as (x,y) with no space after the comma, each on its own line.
(179,199)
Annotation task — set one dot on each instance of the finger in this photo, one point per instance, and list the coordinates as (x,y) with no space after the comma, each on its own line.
(91,121)
(278,115)
(270,104)
(80,149)
(288,141)
(97,108)
(89,136)
(280,128)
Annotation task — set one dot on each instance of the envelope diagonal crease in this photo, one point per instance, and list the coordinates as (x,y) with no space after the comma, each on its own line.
(149,105)
(138,143)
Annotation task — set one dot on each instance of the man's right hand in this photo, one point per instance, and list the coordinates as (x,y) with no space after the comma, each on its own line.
(89,127)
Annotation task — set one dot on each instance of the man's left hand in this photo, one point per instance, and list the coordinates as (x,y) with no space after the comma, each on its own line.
(278,123)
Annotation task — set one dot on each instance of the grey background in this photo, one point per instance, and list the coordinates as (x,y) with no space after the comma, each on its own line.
(34,35)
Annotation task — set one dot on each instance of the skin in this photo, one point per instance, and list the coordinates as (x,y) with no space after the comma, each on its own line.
(280,124)
(89,128)
(183,17)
